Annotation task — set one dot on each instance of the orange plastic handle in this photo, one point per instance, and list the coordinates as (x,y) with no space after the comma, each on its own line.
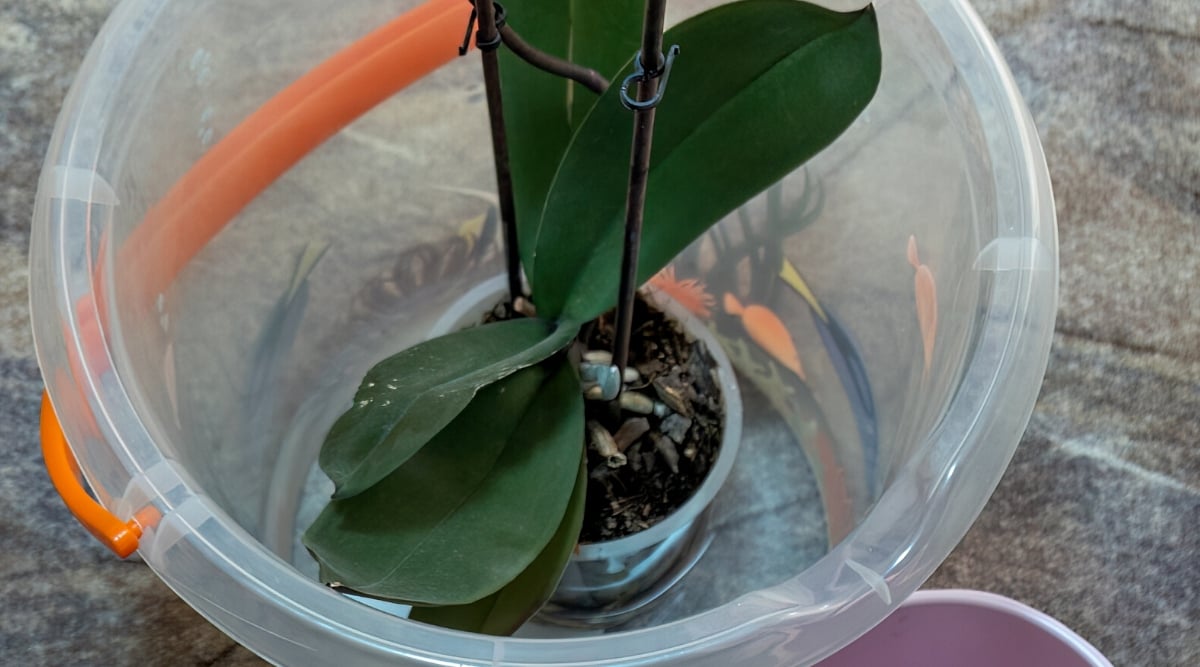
(255,153)
(120,536)
(281,132)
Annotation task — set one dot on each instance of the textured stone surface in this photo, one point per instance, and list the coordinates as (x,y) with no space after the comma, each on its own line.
(1113,90)
(1094,522)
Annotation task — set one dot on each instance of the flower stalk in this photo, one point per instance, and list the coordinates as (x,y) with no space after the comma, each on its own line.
(639,169)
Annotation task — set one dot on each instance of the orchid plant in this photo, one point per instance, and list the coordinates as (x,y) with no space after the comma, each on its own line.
(459,469)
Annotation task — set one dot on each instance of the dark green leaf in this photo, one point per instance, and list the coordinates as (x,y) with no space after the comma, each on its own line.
(473,508)
(407,398)
(542,110)
(506,610)
(759,87)
(604,36)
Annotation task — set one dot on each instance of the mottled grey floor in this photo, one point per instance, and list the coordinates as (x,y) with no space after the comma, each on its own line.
(1095,521)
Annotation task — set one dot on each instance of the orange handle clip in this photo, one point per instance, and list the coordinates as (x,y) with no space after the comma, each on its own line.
(120,536)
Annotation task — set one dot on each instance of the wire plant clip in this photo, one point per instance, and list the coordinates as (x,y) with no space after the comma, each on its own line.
(640,74)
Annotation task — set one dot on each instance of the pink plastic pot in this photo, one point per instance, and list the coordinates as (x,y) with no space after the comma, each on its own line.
(961,627)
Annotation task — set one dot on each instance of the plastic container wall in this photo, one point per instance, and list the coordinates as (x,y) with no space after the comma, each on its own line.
(206,399)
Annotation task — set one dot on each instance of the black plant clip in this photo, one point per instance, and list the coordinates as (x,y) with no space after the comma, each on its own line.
(640,74)
(490,45)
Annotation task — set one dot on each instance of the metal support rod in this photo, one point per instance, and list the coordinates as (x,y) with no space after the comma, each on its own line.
(652,36)
(639,168)
(585,76)
(487,39)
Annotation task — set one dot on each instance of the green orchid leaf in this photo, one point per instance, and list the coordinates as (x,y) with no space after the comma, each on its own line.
(604,36)
(473,508)
(407,398)
(759,87)
(542,110)
(506,610)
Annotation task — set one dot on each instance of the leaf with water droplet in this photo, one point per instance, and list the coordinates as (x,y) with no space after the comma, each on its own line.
(473,508)
(407,398)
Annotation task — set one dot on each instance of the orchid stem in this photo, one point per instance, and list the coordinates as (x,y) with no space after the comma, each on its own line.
(487,40)
(639,168)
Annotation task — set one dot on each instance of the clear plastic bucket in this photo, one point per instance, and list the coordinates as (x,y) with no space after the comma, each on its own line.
(195,406)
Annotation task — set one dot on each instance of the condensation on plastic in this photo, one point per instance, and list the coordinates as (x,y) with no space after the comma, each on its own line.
(164,77)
